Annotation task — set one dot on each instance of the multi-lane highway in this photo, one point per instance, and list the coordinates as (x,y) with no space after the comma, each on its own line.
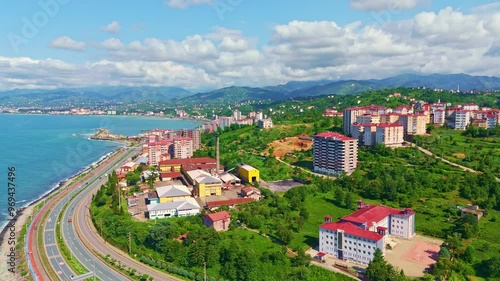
(81,236)
(49,236)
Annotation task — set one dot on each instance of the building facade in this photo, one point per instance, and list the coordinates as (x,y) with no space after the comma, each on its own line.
(390,135)
(248,173)
(356,236)
(219,221)
(334,153)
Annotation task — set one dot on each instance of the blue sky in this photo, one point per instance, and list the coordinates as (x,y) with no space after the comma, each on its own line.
(215,43)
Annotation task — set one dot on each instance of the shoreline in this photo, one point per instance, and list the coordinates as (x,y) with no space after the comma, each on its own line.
(105,115)
(23,213)
(50,192)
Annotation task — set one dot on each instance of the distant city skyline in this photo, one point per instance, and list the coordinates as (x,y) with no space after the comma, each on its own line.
(208,44)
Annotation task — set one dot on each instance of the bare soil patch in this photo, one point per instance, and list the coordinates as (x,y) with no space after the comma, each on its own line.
(289,145)
(459,155)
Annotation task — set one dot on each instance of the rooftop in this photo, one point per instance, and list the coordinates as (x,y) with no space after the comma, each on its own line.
(351,229)
(173,191)
(188,161)
(182,204)
(368,214)
(246,167)
(332,135)
(218,216)
(214,204)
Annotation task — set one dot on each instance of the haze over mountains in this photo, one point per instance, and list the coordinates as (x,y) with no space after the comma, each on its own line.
(294,89)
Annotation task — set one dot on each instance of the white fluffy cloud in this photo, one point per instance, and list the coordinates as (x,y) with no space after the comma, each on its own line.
(447,41)
(181,4)
(65,42)
(378,5)
(113,27)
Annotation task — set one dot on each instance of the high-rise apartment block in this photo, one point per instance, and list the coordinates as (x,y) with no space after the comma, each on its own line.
(334,153)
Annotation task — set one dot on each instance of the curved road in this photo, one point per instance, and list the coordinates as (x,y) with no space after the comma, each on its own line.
(49,236)
(88,233)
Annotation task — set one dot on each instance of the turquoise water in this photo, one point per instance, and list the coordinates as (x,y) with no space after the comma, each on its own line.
(48,149)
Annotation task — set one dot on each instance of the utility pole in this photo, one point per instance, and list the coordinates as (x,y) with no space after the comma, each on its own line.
(129,243)
(100,222)
(204,271)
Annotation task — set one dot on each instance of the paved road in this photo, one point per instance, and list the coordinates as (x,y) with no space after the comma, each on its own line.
(77,248)
(49,236)
(88,233)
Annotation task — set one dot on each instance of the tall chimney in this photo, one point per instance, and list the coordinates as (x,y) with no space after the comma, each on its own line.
(217,153)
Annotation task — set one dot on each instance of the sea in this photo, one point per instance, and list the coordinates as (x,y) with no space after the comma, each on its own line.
(45,150)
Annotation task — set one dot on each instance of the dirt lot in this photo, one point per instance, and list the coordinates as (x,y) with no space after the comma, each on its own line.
(289,145)
(413,256)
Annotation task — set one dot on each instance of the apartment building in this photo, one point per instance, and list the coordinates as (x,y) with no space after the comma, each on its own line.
(356,236)
(195,135)
(334,153)
(265,123)
(225,122)
(156,150)
(182,148)
(492,120)
(413,124)
(390,135)
(237,114)
(350,115)
(462,119)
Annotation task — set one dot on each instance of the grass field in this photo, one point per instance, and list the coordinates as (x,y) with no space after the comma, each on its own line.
(481,154)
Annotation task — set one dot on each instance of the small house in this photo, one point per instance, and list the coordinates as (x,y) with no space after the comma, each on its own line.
(219,221)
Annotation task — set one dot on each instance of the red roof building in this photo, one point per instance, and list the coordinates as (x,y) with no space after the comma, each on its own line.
(219,221)
(356,236)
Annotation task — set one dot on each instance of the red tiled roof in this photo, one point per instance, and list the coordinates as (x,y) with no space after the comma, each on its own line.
(171,174)
(218,216)
(334,135)
(389,125)
(121,176)
(191,167)
(188,161)
(370,213)
(228,202)
(351,229)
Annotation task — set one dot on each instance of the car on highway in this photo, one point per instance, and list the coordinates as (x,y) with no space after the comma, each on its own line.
(70,219)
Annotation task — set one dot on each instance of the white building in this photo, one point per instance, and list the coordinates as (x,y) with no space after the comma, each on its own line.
(178,208)
(491,120)
(462,119)
(237,114)
(265,123)
(356,236)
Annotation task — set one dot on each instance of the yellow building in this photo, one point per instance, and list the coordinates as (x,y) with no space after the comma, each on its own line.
(248,173)
(204,183)
(170,193)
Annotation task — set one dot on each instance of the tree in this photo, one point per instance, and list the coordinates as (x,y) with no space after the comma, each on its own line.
(491,267)
(467,225)
(301,259)
(377,268)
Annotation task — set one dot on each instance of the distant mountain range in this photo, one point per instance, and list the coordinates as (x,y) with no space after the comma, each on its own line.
(293,89)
